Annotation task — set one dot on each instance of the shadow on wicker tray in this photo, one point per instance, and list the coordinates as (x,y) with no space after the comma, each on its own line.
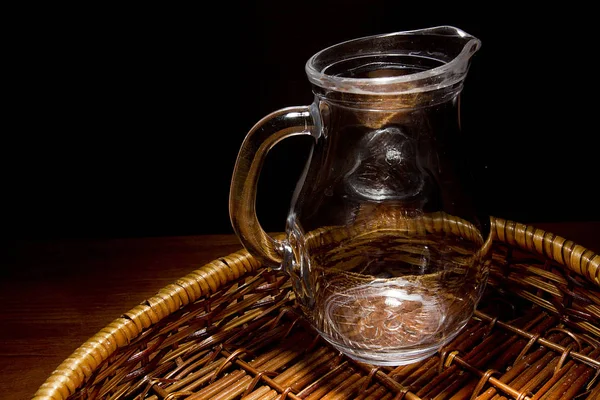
(230,330)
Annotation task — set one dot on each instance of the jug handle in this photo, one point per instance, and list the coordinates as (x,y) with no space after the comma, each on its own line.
(281,124)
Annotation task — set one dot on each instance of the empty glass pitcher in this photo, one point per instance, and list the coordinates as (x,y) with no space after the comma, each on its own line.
(386,249)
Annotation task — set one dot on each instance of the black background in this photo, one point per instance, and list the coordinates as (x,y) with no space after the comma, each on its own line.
(127,122)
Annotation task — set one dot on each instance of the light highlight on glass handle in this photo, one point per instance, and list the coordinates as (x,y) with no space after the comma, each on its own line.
(260,139)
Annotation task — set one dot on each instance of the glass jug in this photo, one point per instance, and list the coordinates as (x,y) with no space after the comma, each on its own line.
(386,250)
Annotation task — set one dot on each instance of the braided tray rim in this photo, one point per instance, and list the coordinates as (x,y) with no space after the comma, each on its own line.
(208,279)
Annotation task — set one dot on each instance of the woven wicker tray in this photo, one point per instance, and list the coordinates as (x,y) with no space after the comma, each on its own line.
(230,330)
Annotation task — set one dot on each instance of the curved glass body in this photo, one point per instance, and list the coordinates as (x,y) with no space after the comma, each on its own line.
(385,247)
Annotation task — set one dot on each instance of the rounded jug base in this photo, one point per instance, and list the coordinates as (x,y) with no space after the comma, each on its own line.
(388,358)
(391,357)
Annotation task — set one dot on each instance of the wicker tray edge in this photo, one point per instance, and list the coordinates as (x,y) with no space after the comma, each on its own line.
(81,364)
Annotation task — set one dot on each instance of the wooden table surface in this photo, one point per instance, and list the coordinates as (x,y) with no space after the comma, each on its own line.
(57,294)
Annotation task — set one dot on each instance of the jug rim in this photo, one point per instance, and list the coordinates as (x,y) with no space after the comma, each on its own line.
(449,73)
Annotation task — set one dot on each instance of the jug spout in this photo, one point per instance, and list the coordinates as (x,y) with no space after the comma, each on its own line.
(400,63)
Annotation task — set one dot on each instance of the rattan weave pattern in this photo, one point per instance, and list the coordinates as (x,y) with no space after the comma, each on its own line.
(231,330)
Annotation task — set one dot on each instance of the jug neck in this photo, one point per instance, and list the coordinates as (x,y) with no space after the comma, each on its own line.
(394,71)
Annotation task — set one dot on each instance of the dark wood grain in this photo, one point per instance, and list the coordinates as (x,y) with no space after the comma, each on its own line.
(57,294)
